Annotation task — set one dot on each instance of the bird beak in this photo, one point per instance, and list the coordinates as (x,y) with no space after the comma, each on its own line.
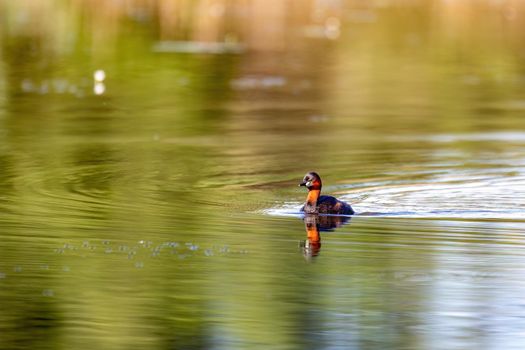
(302,184)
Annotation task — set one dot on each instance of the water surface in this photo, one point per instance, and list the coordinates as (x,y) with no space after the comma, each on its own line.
(158,208)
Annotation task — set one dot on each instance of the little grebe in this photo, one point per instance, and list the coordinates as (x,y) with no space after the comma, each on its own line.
(315,203)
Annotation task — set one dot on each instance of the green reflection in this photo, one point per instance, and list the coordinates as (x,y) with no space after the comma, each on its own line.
(133,218)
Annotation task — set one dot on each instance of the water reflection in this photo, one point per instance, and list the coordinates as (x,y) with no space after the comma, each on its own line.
(209,110)
(314,224)
(312,245)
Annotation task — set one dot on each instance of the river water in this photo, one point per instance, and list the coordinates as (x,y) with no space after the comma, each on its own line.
(157,207)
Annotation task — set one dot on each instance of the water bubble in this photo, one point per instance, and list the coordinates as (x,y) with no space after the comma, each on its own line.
(99,88)
(48,293)
(268,82)
(146,244)
(72,89)
(44,87)
(27,85)
(318,118)
(99,75)
(60,85)
(192,247)
(332,28)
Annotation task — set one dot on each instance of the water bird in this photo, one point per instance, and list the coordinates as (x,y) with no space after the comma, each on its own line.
(317,204)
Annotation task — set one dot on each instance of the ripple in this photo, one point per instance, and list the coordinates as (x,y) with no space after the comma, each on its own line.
(451,195)
(87,196)
(291,209)
(492,191)
(473,137)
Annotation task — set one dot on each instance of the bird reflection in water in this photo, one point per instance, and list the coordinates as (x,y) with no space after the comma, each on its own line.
(313,224)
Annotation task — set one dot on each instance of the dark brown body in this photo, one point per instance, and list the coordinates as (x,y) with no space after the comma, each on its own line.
(317,204)
(330,205)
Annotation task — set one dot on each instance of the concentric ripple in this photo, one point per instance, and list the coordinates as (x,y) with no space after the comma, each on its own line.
(468,196)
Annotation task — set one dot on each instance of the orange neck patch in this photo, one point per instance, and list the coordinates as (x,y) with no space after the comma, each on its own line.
(313,195)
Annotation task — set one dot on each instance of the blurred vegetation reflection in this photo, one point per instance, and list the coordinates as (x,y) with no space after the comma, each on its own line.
(130,203)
